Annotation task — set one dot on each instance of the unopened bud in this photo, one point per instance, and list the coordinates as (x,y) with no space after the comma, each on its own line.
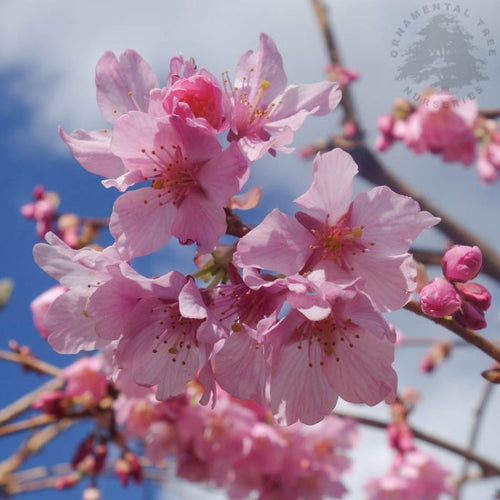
(470,316)
(475,294)
(439,298)
(462,263)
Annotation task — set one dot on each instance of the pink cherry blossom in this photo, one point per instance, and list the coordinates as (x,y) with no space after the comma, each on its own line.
(199,98)
(429,479)
(43,210)
(192,180)
(365,240)
(266,113)
(328,345)
(81,272)
(156,324)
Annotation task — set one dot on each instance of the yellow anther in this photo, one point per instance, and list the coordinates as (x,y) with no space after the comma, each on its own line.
(158,183)
(357,232)
(236,327)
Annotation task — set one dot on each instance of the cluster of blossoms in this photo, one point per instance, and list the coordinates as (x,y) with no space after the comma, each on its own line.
(75,232)
(294,314)
(442,124)
(414,474)
(454,294)
(235,446)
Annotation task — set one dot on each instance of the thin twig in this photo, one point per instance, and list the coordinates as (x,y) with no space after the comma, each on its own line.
(474,433)
(488,467)
(32,445)
(470,336)
(25,402)
(31,362)
(350,114)
(27,424)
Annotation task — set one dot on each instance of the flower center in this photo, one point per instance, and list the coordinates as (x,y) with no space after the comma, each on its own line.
(250,112)
(173,175)
(339,241)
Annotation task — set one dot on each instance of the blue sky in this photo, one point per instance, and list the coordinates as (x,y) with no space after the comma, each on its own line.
(48,51)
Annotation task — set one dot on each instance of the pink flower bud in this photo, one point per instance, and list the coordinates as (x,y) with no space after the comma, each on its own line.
(439,298)
(475,294)
(470,316)
(383,142)
(385,123)
(462,263)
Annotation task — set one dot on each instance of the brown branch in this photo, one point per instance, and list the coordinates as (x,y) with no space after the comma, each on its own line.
(29,423)
(490,113)
(25,402)
(470,336)
(427,256)
(30,361)
(31,446)
(488,467)
(347,102)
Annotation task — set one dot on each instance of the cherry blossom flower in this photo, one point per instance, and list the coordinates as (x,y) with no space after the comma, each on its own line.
(365,240)
(440,124)
(156,325)
(331,344)
(81,272)
(43,210)
(189,174)
(266,113)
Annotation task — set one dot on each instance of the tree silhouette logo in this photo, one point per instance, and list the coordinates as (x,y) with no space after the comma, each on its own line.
(447,51)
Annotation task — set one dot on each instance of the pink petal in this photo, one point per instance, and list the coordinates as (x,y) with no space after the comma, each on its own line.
(278,243)
(299,101)
(390,220)
(265,64)
(139,224)
(123,85)
(247,200)
(331,188)
(299,388)
(92,151)
(240,367)
(72,328)
(199,220)
(363,372)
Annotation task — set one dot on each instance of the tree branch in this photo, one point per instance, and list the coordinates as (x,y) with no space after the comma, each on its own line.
(470,336)
(488,467)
